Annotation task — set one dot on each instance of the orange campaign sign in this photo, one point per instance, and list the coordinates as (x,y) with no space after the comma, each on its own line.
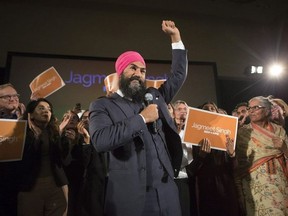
(154,83)
(46,83)
(111,82)
(12,139)
(202,124)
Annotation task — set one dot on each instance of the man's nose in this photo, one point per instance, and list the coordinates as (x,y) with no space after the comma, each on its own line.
(138,72)
(45,111)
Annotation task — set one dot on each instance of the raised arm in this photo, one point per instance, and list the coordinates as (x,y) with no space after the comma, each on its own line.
(170,28)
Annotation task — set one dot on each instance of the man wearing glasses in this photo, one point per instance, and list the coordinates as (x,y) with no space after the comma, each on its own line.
(10,108)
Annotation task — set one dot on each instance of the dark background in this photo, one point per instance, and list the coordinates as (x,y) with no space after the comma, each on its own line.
(228,91)
(230,34)
(22,68)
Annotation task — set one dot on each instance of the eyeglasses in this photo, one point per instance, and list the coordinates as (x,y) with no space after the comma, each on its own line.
(42,108)
(255,108)
(9,97)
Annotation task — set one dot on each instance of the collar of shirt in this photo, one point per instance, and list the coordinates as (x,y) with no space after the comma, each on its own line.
(119,92)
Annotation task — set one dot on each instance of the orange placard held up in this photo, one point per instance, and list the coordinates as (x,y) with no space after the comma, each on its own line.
(202,124)
(111,83)
(12,139)
(46,83)
(154,83)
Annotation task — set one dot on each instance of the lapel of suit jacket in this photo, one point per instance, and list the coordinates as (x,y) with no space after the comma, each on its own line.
(164,113)
(123,105)
(173,141)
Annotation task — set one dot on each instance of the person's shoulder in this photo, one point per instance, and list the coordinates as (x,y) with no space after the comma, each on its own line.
(246,128)
(8,116)
(104,100)
(107,98)
(274,125)
(151,90)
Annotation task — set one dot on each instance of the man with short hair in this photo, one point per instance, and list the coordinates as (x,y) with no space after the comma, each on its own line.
(242,113)
(185,184)
(180,113)
(10,108)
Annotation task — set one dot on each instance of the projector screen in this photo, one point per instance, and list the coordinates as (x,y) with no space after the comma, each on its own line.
(84,78)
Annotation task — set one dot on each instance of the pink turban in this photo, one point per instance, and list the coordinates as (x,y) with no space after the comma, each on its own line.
(127,58)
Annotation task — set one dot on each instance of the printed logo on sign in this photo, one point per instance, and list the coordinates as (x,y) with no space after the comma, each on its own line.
(45,84)
(88,79)
(8,139)
(211,130)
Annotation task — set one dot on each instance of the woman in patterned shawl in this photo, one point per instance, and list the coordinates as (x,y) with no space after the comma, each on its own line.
(262,175)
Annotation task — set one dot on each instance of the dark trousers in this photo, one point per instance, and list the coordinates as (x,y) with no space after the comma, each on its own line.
(8,188)
(184,195)
(151,207)
(44,199)
(8,200)
(162,201)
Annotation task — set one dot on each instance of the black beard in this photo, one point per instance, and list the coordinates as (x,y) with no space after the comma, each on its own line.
(136,93)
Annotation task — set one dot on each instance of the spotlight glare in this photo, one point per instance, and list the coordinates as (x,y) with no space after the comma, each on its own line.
(276,70)
(260,69)
(253,70)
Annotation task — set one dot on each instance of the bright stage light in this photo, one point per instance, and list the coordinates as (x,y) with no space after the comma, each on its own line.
(276,70)
(250,70)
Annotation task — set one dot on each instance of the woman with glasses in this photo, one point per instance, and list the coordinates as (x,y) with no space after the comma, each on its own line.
(261,174)
(43,187)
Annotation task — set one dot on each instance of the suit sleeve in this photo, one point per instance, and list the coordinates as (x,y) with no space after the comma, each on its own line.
(107,135)
(177,77)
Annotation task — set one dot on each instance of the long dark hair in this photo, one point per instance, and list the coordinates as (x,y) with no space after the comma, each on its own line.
(52,125)
(209,102)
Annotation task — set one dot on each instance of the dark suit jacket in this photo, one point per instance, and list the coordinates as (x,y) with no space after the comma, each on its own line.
(30,165)
(114,127)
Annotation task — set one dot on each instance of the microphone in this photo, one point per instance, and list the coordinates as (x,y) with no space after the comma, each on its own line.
(149,100)
(182,121)
(240,118)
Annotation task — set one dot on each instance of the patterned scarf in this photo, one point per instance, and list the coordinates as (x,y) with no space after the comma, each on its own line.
(255,147)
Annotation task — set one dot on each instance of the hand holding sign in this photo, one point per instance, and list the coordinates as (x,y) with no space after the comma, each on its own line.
(230,146)
(35,95)
(216,127)
(36,130)
(205,147)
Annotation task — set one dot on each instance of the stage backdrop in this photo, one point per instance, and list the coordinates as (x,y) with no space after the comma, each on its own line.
(84,77)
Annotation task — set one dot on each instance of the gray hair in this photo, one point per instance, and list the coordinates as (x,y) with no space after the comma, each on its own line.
(264,101)
(6,85)
(178,102)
